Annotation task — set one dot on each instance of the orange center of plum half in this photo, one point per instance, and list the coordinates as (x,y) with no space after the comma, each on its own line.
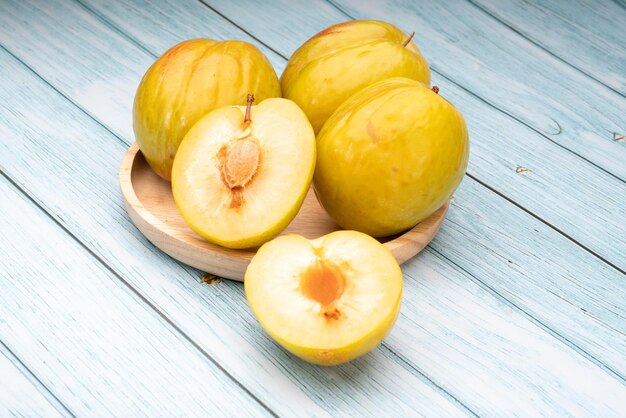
(324,283)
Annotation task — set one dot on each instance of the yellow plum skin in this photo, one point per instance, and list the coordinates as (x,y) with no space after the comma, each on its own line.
(389,157)
(343,59)
(186,82)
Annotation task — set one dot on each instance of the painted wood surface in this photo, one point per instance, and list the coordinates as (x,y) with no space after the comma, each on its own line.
(585,34)
(173,24)
(19,395)
(88,338)
(537,347)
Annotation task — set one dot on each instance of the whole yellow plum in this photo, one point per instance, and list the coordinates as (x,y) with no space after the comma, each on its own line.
(186,82)
(343,59)
(389,157)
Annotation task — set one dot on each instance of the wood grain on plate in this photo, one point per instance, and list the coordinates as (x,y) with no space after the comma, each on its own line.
(151,206)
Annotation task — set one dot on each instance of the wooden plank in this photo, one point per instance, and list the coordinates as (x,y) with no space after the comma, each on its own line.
(557,186)
(217,313)
(488,354)
(160,25)
(97,346)
(566,290)
(102,78)
(19,396)
(487,59)
(80,160)
(585,34)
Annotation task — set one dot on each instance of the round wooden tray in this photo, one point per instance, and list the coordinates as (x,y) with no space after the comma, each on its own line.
(151,207)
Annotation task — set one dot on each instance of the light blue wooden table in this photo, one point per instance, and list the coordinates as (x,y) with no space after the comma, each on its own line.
(518,307)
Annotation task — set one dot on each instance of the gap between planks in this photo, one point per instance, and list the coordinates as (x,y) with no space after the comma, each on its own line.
(32,377)
(539,45)
(66,97)
(534,320)
(540,219)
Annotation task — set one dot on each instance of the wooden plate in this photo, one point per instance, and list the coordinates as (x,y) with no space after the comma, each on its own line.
(151,207)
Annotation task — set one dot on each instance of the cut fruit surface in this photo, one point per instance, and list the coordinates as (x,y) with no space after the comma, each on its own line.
(239,182)
(328,300)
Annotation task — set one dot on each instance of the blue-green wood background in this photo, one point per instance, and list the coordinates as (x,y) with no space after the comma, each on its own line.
(518,307)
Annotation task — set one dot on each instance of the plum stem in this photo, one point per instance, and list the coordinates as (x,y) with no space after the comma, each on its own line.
(249,107)
(405,43)
(435,89)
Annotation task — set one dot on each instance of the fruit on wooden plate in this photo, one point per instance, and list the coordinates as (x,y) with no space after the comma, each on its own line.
(241,173)
(327,300)
(343,59)
(389,157)
(188,81)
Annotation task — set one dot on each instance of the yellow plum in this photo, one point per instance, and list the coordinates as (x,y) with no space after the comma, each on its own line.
(343,59)
(389,157)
